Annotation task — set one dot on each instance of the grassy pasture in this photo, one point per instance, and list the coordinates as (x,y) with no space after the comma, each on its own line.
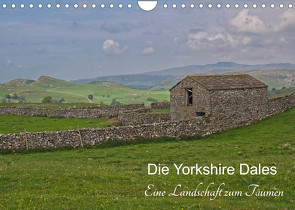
(50,105)
(115,177)
(103,92)
(17,124)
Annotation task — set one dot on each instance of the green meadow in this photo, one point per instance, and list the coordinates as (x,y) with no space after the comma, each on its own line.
(103,92)
(17,124)
(114,175)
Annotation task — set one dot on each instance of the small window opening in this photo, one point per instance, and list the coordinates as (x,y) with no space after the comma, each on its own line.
(200,114)
(189,92)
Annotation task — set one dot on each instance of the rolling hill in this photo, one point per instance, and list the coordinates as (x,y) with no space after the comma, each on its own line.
(103,92)
(166,78)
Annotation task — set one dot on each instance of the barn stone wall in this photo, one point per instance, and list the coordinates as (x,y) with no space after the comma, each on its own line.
(87,112)
(178,100)
(232,107)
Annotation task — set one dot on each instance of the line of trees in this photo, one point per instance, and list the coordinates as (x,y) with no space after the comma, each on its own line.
(49,99)
(7,98)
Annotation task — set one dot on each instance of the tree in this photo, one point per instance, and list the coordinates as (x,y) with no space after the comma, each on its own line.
(3,101)
(15,96)
(90,97)
(59,101)
(7,96)
(47,99)
(273,89)
(115,102)
(21,99)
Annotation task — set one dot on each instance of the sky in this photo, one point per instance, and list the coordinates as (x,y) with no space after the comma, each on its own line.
(85,43)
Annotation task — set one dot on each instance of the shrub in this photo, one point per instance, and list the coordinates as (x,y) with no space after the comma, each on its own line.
(47,99)
(90,97)
(151,100)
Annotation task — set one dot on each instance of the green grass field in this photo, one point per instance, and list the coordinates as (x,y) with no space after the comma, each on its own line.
(51,105)
(116,177)
(103,92)
(17,124)
(281,92)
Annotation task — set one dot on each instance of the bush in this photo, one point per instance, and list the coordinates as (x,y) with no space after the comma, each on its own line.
(14,96)
(59,101)
(115,102)
(151,100)
(47,99)
(21,99)
(90,97)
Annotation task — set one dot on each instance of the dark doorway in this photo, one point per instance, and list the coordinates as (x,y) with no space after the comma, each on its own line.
(189,93)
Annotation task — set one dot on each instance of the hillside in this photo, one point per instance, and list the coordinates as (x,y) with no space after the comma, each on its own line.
(276,78)
(103,92)
(165,79)
(273,78)
(115,177)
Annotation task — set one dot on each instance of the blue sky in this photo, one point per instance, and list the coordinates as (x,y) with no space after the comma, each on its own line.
(84,43)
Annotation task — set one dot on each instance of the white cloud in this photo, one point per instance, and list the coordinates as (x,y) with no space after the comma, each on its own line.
(8,62)
(244,22)
(150,43)
(22,66)
(111,47)
(148,50)
(246,40)
(206,40)
(117,26)
(287,21)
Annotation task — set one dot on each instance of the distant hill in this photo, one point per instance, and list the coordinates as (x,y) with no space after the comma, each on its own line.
(141,81)
(273,78)
(103,92)
(166,78)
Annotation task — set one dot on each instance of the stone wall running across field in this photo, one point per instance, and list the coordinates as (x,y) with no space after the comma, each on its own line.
(280,104)
(91,136)
(160,105)
(202,125)
(87,112)
(142,116)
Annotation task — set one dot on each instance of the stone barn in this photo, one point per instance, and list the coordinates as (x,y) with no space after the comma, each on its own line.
(223,98)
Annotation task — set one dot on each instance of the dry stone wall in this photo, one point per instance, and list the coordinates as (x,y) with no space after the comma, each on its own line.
(91,137)
(78,138)
(160,105)
(142,116)
(88,112)
(135,118)
(278,105)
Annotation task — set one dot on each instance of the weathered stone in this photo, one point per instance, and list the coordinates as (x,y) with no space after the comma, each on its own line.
(88,112)
(160,105)
(142,116)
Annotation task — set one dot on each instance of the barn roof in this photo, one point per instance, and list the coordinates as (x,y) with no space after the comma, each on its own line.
(227,82)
